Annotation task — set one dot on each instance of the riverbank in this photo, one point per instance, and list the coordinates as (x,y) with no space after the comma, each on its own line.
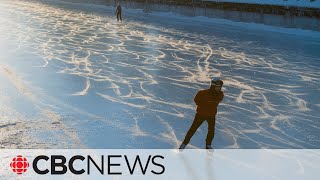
(288,14)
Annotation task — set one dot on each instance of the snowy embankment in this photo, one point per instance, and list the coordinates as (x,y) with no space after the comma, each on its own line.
(289,3)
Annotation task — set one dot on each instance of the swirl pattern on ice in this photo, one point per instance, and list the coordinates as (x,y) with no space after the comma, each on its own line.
(153,72)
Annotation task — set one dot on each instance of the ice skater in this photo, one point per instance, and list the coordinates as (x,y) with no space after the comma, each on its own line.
(207,102)
(119,12)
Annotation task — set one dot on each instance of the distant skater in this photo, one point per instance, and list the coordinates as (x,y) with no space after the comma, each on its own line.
(207,102)
(119,13)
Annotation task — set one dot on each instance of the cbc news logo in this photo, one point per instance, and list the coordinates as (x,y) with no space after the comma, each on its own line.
(19,164)
(110,164)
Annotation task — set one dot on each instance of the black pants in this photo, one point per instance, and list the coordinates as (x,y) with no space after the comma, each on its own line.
(119,16)
(198,120)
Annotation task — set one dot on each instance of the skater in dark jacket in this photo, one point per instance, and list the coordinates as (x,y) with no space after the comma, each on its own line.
(207,102)
(119,12)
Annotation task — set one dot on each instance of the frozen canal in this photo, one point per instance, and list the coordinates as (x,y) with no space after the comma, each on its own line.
(72,77)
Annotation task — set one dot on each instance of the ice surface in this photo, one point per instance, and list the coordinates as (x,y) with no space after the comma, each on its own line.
(71,76)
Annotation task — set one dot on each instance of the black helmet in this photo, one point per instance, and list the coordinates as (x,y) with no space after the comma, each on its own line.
(216,82)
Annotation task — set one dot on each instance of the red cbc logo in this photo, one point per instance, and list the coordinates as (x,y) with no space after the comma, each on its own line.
(19,164)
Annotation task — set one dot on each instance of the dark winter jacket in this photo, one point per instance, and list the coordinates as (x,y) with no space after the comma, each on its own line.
(207,102)
(118,11)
